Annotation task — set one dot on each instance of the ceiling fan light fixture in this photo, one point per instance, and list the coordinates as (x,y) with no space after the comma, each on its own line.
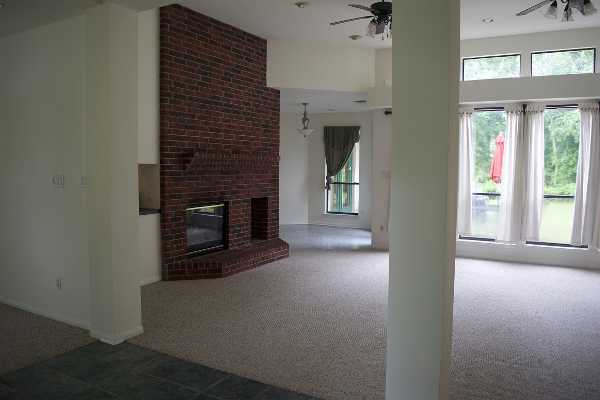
(568,14)
(552,12)
(588,8)
(380,19)
(371,29)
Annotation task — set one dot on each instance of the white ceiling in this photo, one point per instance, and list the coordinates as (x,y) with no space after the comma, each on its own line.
(321,101)
(280,19)
(507,23)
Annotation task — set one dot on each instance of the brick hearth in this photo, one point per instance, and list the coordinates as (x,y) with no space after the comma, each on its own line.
(219,142)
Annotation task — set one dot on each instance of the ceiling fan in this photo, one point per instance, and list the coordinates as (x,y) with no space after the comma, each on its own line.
(381,18)
(585,7)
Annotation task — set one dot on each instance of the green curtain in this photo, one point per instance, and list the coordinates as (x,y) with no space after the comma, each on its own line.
(339,143)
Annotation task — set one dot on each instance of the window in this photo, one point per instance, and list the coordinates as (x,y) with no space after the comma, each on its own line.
(495,67)
(561,153)
(343,194)
(563,62)
(488,135)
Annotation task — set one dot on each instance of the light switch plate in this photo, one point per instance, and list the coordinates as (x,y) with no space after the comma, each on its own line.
(58,181)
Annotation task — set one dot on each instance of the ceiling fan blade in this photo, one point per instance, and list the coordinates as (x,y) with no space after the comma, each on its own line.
(365,8)
(535,7)
(349,20)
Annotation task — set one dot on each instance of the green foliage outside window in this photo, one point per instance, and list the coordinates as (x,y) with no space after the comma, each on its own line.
(561,136)
(487,125)
(343,193)
(492,67)
(563,62)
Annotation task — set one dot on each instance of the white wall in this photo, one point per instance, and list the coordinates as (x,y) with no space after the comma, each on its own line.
(149,248)
(383,67)
(380,210)
(69,108)
(148,138)
(148,87)
(293,172)
(313,65)
(539,88)
(43,235)
(380,95)
(316,170)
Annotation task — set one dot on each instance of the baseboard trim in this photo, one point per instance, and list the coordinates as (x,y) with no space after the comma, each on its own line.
(150,280)
(331,224)
(116,339)
(46,314)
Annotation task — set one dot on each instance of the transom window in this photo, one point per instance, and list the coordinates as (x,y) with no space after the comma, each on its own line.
(563,62)
(493,67)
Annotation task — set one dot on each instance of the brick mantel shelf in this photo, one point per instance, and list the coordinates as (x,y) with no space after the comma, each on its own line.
(231,162)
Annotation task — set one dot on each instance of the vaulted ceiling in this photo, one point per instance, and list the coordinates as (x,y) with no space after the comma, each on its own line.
(281,19)
(507,23)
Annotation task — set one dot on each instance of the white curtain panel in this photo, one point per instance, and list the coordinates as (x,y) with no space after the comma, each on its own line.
(512,199)
(465,171)
(585,219)
(533,155)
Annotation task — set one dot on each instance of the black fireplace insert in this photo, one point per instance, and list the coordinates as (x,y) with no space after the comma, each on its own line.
(205,228)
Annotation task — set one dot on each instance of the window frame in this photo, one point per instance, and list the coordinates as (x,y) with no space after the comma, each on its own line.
(328,189)
(494,56)
(491,194)
(549,196)
(562,51)
(557,196)
(327,199)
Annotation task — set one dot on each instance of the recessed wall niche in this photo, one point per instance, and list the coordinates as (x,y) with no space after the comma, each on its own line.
(149,188)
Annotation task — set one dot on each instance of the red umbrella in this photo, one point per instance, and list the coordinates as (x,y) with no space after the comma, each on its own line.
(496,167)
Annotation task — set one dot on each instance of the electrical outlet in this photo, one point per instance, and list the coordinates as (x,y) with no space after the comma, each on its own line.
(84,181)
(59,283)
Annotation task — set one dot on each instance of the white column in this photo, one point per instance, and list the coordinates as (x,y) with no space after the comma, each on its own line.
(424,180)
(111,119)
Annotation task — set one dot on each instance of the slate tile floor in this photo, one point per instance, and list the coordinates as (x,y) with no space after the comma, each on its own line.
(99,371)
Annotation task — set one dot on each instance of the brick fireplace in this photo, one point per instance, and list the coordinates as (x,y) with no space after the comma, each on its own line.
(219,144)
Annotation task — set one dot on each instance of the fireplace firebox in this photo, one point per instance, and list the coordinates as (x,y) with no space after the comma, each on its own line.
(205,228)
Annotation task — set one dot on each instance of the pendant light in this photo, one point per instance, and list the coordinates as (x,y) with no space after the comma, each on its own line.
(306,129)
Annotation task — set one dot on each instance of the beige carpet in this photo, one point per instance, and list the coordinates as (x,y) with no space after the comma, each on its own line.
(313,323)
(26,338)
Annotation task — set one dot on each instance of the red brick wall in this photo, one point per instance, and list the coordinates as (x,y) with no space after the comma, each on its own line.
(219,131)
